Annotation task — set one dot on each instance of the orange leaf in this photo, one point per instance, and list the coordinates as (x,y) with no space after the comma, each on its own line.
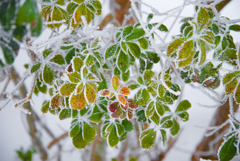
(111,95)
(125,91)
(104,92)
(122,99)
(115,82)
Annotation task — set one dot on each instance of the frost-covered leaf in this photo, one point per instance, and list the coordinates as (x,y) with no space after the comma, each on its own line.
(74,130)
(133,86)
(134,49)
(234,27)
(35,67)
(136,34)
(237,94)
(74,77)
(183,106)
(184,116)
(161,90)
(175,128)
(230,76)
(58,59)
(167,124)
(113,138)
(128,126)
(143,42)
(88,132)
(115,82)
(77,64)
(96,117)
(46,52)
(56,101)
(164,136)
(48,75)
(78,141)
(112,51)
(227,150)
(148,139)
(150,110)
(45,106)
(78,101)
(125,91)
(91,92)
(67,89)
(173,46)
(120,129)
(203,17)
(160,108)
(65,113)
(123,61)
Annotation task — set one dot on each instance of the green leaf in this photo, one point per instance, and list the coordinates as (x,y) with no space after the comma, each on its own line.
(125,76)
(58,59)
(184,116)
(48,75)
(203,51)
(120,129)
(167,124)
(215,28)
(173,46)
(45,106)
(8,54)
(155,118)
(74,130)
(224,43)
(96,117)
(162,27)
(143,42)
(227,150)
(234,27)
(66,89)
(153,57)
(77,64)
(237,94)
(78,141)
(89,60)
(150,16)
(69,56)
(148,74)
(145,95)
(136,34)
(230,76)
(164,136)
(112,51)
(148,139)
(46,52)
(133,86)
(30,9)
(175,128)
(185,62)
(88,132)
(134,49)
(183,106)
(123,61)
(160,108)
(65,113)
(74,77)
(203,17)
(150,110)
(128,126)
(113,138)
(127,31)
(161,90)
(230,87)
(35,67)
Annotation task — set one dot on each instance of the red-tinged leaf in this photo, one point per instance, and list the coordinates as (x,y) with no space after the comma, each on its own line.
(187,61)
(122,100)
(132,104)
(67,89)
(78,101)
(115,82)
(111,95)
(48,75)
(173,46)
(130,114)
(80,11)
(117,113)
(90,92)
(203,17)
(125,91)
(230,87)
(114,106)
(56,101)
(150,110)
(125,107)
(104,92)
(186,50)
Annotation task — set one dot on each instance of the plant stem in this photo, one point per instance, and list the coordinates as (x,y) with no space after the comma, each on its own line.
(30,119)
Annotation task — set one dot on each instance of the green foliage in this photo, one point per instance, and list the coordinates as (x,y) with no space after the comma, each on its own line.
(26,156)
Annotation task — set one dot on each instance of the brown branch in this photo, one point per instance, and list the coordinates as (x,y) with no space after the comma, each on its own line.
(31,122)
(56,140)
(105,21)
(220,117)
